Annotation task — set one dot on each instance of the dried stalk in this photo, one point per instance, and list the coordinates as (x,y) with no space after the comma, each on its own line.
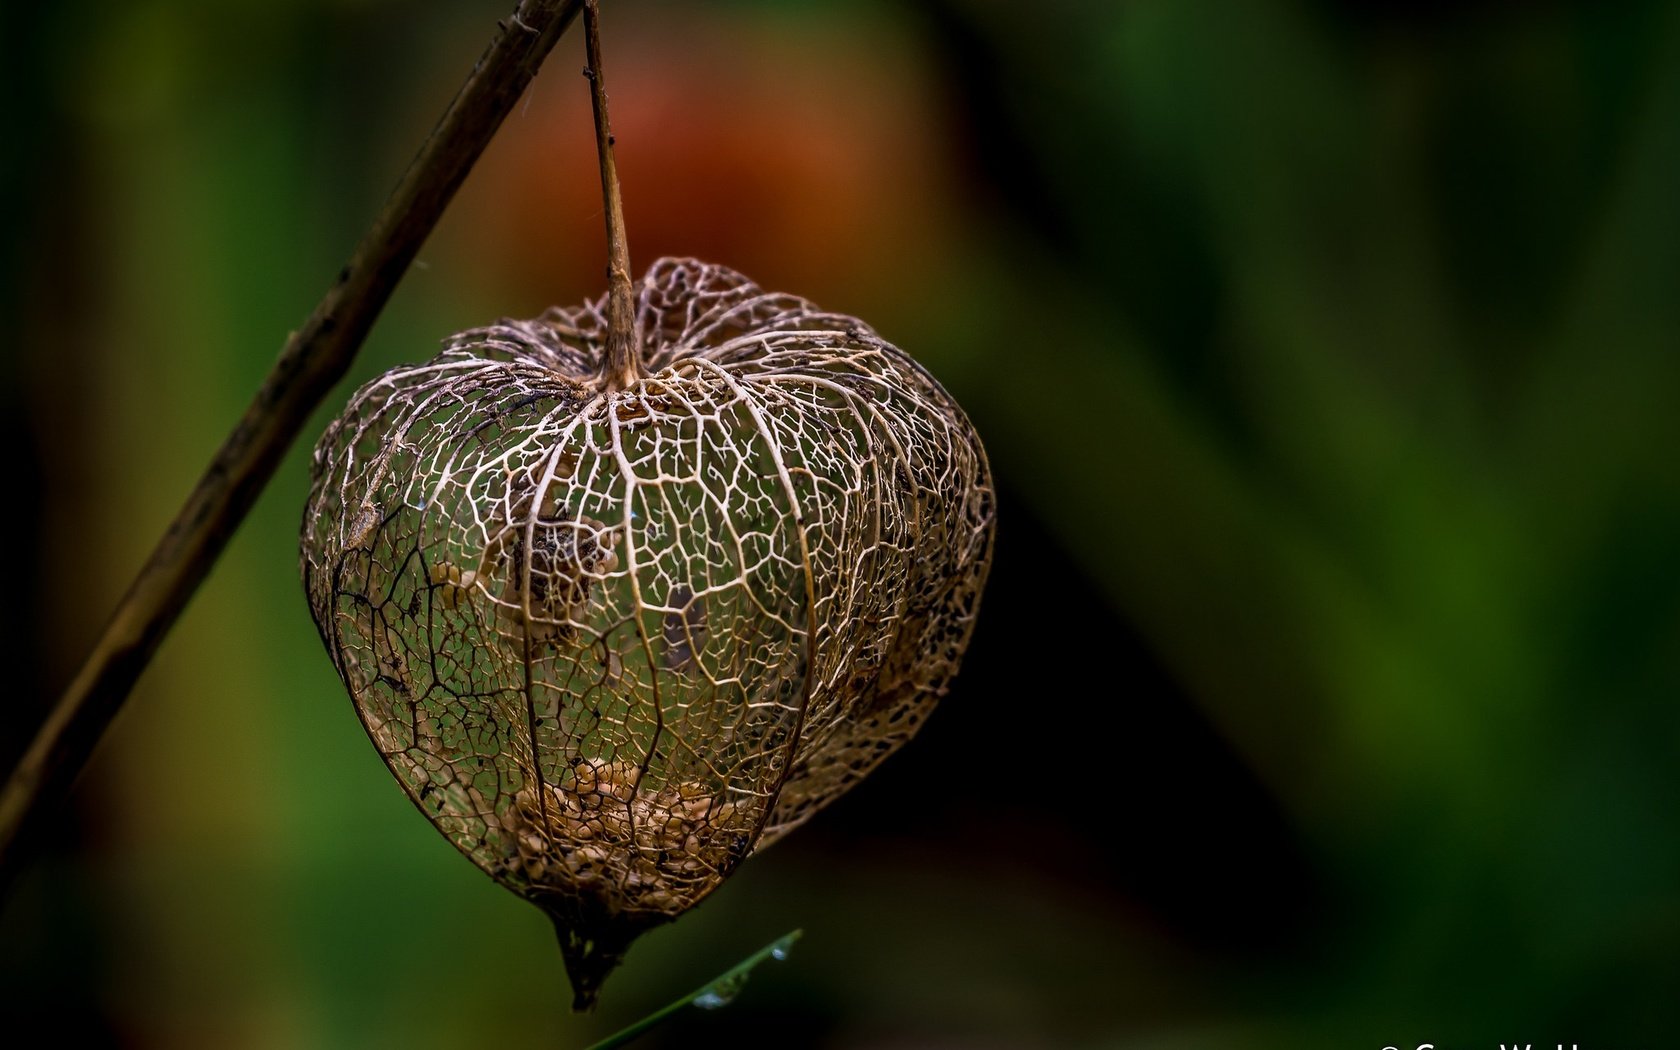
(313,360)
(620,366)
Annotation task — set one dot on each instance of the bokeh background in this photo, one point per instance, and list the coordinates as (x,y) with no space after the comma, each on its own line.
(1327,691)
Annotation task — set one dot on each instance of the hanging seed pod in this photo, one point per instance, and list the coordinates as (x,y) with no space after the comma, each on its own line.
(611,641)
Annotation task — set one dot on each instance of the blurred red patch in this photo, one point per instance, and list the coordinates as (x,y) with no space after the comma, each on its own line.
(810,157)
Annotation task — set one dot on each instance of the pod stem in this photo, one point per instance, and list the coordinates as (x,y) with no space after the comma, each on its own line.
(620,364)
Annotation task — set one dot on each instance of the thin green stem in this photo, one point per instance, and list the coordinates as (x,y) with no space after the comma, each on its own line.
(719,992)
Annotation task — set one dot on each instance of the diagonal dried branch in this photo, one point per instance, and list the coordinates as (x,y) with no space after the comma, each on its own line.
(313,360)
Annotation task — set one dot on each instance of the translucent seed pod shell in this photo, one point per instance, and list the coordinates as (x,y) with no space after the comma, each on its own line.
(611,642)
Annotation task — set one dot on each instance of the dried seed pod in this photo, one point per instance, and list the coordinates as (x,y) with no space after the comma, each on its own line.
(612,641)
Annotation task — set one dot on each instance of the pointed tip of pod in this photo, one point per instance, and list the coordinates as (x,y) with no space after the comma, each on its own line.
(583,999)
(592,950)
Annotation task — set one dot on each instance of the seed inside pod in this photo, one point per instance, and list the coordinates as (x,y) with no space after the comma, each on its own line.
(613,640)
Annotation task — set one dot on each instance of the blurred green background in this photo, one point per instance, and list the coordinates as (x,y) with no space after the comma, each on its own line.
(1328,356)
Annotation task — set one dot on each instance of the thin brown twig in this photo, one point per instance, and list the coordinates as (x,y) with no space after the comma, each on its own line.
(620,365)
(314,359)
